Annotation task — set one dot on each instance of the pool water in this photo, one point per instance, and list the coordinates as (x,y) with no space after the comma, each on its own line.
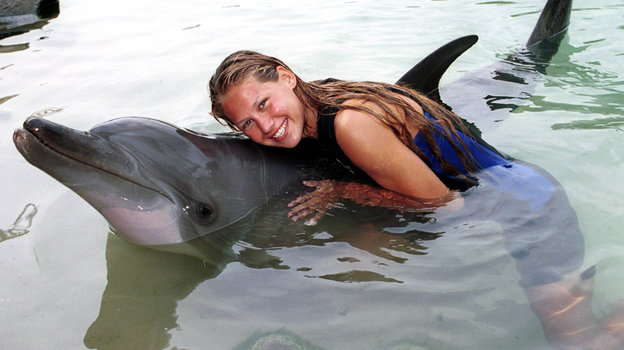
(69,283)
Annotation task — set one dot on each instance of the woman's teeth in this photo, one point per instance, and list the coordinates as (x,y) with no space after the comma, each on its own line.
(280,132)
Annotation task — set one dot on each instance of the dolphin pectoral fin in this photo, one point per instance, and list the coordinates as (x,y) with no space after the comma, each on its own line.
(550,28)
(425,75)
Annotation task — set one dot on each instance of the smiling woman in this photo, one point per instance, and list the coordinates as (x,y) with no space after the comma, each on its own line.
(263,98)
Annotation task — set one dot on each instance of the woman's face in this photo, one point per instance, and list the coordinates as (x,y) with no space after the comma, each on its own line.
(269,113)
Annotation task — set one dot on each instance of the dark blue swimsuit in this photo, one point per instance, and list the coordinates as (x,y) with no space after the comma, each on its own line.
(509,175)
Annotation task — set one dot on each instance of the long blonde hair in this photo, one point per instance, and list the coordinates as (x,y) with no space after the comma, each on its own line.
(321,95)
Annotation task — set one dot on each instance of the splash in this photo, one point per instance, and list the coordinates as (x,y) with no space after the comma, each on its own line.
(21,225)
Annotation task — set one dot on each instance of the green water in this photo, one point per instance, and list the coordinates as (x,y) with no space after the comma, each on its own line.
(66,283)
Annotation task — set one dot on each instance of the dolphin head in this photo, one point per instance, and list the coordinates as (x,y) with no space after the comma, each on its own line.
(155,184)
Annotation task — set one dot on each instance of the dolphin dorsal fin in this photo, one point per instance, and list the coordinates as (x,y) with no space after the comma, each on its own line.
(550,29)
(425,76)
(553,21)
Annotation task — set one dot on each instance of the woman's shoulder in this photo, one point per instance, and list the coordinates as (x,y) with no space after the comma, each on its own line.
(357,130)
(352,120)
(359,114)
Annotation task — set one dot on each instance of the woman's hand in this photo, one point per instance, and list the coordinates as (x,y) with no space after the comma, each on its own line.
(315,204)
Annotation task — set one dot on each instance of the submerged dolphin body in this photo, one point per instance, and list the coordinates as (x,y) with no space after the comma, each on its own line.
(157,184)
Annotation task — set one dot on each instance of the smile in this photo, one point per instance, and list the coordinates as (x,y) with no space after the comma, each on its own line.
(281,131)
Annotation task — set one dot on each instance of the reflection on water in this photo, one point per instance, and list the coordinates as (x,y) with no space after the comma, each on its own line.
(605,98)
(616,123)
(139,303)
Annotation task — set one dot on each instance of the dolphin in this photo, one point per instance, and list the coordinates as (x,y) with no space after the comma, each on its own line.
(157,184)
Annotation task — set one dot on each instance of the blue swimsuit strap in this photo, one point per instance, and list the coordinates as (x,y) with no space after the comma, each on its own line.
(482,155)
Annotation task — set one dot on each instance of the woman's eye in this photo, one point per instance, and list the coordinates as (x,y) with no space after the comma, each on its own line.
(262,104)
(247,124)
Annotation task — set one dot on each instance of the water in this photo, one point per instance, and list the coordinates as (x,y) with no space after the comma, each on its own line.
(68,284)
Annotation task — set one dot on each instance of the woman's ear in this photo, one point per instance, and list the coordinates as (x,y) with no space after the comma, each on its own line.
(287,76)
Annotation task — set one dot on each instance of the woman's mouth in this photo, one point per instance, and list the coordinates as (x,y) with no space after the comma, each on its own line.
(280,134)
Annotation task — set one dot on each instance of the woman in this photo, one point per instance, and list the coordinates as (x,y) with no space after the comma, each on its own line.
(422,155)
(405,142)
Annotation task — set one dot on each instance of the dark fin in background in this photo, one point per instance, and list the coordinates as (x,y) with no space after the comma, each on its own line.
(550,29)
(425,76)
(513,79)
(544,42)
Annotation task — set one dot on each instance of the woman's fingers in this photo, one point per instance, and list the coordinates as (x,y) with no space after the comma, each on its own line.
(310,215)
(304,206)
(312,205)
(305,197)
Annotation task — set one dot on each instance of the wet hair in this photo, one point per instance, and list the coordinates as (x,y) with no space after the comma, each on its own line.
(331,93)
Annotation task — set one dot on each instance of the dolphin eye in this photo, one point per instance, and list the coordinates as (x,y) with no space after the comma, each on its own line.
(204,210)
(202,213)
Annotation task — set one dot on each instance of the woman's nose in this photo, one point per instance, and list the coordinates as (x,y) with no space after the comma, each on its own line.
(265,123)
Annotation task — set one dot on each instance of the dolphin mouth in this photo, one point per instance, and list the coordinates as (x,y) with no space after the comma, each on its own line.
(139,213)
(26,137)
(40,137)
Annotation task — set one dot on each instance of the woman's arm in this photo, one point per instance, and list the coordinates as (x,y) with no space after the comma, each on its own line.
(408,183)
(376,150)
(327,195)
